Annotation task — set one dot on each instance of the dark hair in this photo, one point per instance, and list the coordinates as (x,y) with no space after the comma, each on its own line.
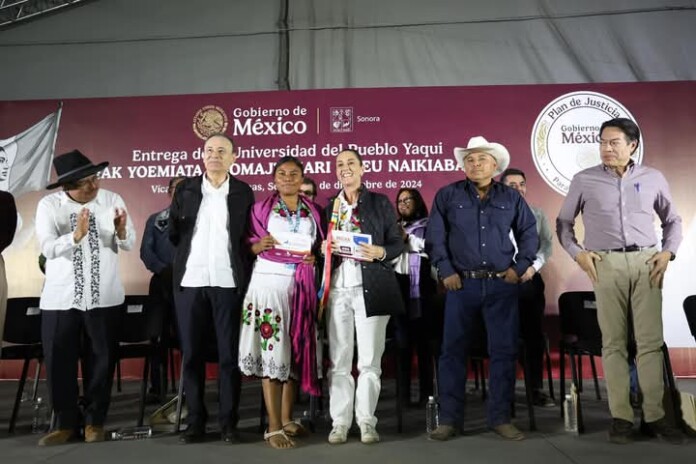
(173,180)
(288,159)
(512,172)
(226,137)
(310,181)
(419,210)
(355,152)
(625,125)
(75,184)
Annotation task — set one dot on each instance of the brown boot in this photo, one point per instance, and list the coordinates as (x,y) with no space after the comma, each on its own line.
(509,432)
(57,437)
(94,433)
(443,433)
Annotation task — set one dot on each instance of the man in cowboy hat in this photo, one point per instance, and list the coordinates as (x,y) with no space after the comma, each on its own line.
(80,231)
(468,241)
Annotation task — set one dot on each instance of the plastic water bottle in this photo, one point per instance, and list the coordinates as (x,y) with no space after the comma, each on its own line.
(432,415)
(570,414)
(40,420)
(132,433)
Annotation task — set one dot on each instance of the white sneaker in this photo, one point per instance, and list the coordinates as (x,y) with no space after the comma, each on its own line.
(368,434)
(338,435)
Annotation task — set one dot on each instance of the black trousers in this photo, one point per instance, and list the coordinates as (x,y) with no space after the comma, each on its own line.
(68,335)
(202,312)
(161,300)
(531,306)
(415,334)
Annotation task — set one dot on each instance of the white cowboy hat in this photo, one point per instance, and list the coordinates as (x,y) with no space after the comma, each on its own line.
(480,144)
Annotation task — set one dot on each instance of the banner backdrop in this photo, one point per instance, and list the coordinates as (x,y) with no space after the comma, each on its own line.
(406,136)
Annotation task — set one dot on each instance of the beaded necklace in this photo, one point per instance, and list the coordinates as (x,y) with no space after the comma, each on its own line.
(285,211)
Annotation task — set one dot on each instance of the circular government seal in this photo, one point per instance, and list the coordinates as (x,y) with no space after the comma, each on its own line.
(565,137)
(209,120)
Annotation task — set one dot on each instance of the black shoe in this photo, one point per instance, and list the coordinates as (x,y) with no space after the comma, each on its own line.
(193,434)
(621,432)
(645,430)
(539,398)
(666,431)
(230,435)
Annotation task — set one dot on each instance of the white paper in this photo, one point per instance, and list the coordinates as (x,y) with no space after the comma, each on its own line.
(134,309)
(33,311)
(293,242)
(348,243)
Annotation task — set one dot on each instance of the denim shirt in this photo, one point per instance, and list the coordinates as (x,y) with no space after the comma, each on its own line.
(156,251)
(467,234)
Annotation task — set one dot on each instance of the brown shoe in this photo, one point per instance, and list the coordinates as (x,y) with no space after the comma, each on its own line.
(443,433)
(666,432)
(94,433)
(509,432)
(57,437)
(621,432)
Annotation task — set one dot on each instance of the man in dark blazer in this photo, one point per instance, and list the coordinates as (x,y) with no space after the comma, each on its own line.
(207,222)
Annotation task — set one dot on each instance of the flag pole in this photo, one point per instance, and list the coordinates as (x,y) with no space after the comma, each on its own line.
(55,136)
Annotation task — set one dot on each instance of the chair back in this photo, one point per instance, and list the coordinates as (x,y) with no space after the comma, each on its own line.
(141,322)
(690,311)
(23,321)
(578,313)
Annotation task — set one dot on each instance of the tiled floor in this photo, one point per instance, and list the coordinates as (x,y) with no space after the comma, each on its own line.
(550,444)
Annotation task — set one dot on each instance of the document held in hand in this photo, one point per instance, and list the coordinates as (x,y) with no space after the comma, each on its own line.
(293,242)
(348,243)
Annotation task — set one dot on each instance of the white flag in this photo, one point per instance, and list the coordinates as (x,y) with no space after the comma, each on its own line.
(25,159)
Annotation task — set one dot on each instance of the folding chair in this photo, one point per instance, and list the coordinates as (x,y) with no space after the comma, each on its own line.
(22,341)
(141,327)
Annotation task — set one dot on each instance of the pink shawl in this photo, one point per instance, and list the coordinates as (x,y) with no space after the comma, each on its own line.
(304,295)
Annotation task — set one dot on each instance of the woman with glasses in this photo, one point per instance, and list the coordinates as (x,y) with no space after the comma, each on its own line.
(413,329)
(363,293)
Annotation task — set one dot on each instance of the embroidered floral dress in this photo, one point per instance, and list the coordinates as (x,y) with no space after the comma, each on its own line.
(265,346)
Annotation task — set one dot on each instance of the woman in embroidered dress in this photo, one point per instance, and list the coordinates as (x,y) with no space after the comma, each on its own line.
(363,293)
(278,337)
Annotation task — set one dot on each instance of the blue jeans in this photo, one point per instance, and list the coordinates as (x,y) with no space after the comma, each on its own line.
(496,301)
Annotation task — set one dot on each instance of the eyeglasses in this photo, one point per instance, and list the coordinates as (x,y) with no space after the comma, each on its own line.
(615,143)
(405,201)
(309,193)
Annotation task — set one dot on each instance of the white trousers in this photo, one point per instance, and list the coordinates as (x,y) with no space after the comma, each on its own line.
(347,323)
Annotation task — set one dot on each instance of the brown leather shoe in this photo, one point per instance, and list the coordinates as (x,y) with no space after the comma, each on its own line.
(94,433)
(57,437)
(509,432)
(443,433)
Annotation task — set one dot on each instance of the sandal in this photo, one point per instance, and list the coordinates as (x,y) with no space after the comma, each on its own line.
(298,430)
(268,436)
